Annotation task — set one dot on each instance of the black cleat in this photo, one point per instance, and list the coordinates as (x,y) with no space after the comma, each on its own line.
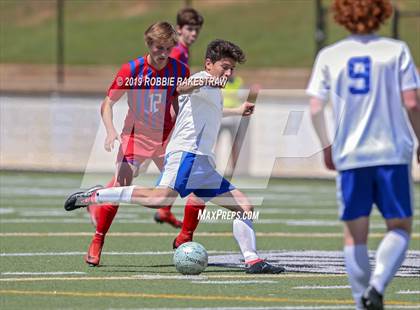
(372,299)
(263,267)
(76,200)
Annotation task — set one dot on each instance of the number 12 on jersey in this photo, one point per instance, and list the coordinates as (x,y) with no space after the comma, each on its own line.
(359,73)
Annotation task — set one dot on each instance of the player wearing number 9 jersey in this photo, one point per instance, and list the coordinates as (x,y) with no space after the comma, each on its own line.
(369,79)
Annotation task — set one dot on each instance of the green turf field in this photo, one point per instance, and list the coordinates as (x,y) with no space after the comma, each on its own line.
(42,248)
(273,33)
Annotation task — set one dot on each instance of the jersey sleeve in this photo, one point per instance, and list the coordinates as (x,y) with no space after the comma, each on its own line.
(409,77)
(319,83)
(119,85)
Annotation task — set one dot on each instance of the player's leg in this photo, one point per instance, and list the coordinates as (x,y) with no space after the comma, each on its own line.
(355,197)
(391,252)
(105,213)
(190,222)
(164,214)
(243,229)
(173,180)
(394,200)
(93,210)
(127,167)
(356,256)
(153,198)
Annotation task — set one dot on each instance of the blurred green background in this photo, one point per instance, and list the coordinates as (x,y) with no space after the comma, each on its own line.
(273,33)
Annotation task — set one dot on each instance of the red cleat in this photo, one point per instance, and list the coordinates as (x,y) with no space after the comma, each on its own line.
(180,239)
(166,216)
(93,255)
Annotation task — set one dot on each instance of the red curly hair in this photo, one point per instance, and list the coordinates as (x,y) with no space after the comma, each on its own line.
(361,16)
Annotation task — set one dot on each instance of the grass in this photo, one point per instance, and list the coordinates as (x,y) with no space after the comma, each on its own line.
(273,33)
(32,203)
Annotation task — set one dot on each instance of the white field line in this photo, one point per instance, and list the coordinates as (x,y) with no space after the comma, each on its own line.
(233,276)
(54,273)
(37,212)
(200,234)
(287,222)
(267,308)
(175,277)
(409,292)
(332,287)
(236,282)
(150,253)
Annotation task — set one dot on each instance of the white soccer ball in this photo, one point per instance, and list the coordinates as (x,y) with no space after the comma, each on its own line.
(190,258)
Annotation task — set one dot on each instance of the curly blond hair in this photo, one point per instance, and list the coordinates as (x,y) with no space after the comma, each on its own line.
(361,16)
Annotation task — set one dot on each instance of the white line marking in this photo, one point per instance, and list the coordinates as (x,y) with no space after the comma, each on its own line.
(54,273)
(288,222)
(332,287)
(178,277)
(235,282)
(7,210)
(200,234)
(408,292)
(162,277)
(104,253)
(267,308)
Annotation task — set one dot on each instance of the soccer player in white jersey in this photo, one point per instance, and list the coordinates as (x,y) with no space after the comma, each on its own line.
(372,83)
(189,164)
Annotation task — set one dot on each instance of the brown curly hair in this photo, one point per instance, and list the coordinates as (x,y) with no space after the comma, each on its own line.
(361,16)
(218,49)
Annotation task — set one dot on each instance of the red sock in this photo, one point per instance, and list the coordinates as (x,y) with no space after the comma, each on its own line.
(104,214)
(191,211)
(166,209)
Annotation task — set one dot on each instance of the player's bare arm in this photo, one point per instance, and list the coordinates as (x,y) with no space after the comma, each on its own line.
(318,120)
(246,109)
(412,104)
(107,118)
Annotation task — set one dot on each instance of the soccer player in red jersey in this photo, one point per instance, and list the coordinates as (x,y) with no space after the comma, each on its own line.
(189,23)
(150,83)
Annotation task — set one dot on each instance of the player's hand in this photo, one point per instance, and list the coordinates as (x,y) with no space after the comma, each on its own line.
(110,140)
(247,108)
(328,158)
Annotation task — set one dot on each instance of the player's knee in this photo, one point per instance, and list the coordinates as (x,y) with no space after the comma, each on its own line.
(195,201)
(401,224)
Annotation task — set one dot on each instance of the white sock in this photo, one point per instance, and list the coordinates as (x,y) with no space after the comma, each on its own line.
(356,259)
(389,257)
(115,194)
(244,234)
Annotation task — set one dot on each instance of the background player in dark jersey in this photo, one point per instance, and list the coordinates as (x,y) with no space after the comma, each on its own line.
(148,123)
(188,26)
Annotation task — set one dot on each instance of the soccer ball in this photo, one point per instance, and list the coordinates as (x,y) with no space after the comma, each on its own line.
(190,258)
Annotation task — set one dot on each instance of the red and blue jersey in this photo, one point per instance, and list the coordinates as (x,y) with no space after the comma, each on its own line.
(151,94)
(180,52)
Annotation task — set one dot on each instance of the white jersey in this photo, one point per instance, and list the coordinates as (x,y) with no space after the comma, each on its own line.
(198,121)
(364,75)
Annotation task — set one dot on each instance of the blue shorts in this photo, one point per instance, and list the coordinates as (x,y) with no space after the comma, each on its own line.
(388,187)
(191,173)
